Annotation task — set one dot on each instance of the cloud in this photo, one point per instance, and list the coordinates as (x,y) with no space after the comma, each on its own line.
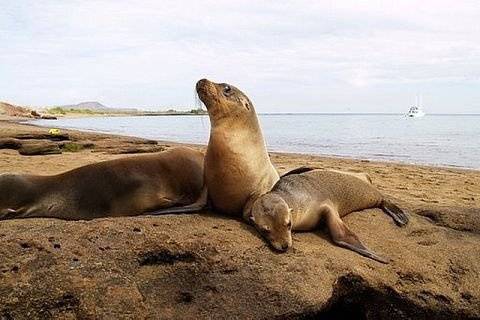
(305,55)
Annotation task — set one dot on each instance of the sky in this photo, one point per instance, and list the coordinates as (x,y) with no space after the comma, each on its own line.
(287,56)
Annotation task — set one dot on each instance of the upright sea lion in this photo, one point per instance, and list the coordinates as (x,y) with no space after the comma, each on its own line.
(121,187)
(302,199)
(237,165)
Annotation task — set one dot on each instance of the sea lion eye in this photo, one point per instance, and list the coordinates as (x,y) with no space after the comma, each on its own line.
(227,89)
(265,229)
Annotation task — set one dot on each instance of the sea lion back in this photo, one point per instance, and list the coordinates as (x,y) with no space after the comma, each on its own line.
(348,191)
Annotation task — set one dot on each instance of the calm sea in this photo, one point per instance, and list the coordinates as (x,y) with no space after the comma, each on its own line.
(445,140)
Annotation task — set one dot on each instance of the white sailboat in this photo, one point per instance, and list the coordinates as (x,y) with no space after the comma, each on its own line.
(416,111)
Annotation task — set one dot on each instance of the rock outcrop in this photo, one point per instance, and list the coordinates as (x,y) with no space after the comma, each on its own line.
(204,266)
(39,148)
(14,111)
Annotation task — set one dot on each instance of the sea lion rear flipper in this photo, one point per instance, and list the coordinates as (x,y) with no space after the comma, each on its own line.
(343,237)
(183,209)
(298,171)
(397,214)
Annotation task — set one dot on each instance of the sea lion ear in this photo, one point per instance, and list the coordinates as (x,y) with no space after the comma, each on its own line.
(245,103)
(247,215)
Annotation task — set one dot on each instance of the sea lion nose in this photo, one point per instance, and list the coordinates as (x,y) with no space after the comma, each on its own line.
(285,247)
(201,83)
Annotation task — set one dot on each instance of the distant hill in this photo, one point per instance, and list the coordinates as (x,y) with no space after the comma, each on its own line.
(87,105)
(90,107)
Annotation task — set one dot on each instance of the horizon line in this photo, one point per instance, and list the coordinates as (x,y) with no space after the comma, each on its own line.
(360,113)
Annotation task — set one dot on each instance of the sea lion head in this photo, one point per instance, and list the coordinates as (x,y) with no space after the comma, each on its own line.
(272,217)
(224,101)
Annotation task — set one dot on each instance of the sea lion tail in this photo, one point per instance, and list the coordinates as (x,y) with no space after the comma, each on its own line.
(397,214)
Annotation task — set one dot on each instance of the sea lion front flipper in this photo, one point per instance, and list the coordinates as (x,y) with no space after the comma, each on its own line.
(298,171)
(202,203)
(8,214)
(343,237)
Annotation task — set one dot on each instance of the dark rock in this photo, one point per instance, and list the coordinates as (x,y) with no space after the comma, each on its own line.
(47,117)
(42,136)
(35,114)
(142,141)
(34,149)
(130,150)
(10,143)
(88,145)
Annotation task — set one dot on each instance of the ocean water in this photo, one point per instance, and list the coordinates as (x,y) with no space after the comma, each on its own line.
(444,140)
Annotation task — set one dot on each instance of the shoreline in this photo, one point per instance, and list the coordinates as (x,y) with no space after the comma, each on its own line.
(286,153)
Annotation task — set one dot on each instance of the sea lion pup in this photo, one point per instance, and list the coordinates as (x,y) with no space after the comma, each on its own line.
(237,165)
(302,199)
(122,187)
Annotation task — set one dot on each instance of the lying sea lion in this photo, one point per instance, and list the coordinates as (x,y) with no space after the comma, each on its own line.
(304,198)
(237,165)
(122,187)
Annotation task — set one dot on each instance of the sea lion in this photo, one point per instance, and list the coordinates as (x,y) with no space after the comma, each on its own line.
(122,187)
(237,165)
(302,199)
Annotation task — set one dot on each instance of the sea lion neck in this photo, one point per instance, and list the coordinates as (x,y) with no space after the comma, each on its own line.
(237,165)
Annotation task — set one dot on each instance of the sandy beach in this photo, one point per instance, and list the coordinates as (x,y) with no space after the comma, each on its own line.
(203,265)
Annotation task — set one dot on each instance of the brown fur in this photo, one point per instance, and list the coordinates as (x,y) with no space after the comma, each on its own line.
(122,187)
(237,165)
